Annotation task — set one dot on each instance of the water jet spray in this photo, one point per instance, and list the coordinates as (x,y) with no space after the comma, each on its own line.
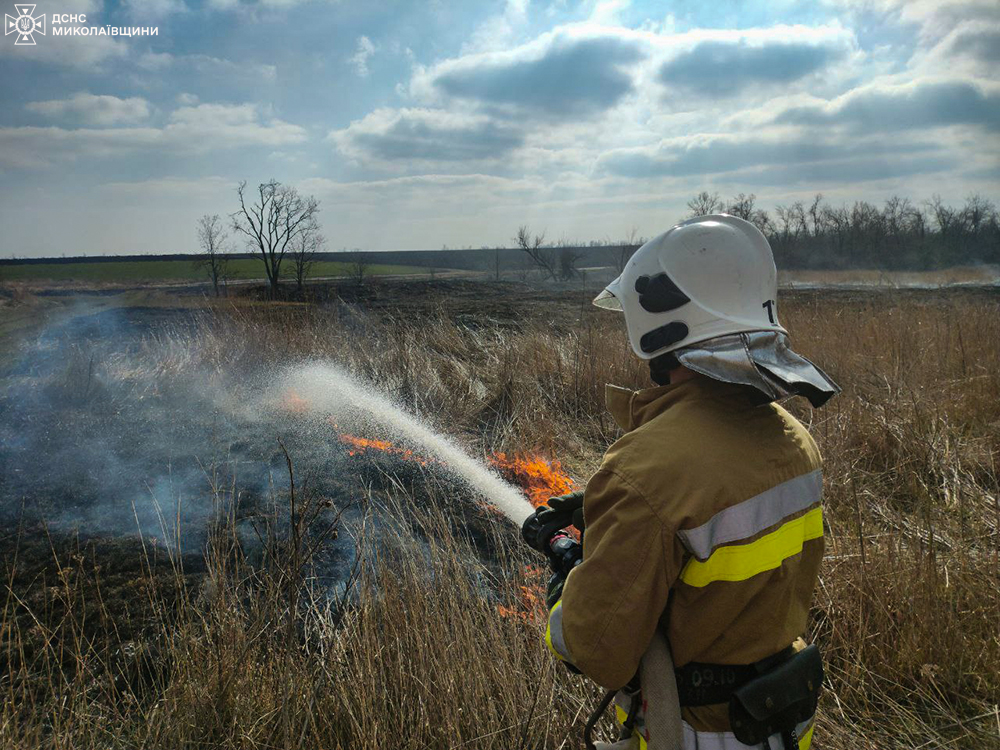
(326,391)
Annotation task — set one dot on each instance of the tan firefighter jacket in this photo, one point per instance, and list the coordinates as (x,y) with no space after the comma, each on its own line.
(703,520)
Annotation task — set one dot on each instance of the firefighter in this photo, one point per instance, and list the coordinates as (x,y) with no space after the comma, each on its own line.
(703,526)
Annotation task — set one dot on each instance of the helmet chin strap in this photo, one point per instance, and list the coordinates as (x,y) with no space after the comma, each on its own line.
(660,367)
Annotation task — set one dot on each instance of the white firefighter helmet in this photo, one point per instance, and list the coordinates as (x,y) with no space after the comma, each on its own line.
(707,277)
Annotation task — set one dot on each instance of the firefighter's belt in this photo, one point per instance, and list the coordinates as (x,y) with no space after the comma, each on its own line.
(700,684)
(778,700)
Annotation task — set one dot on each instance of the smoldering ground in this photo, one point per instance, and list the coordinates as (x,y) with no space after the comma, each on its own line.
(135,422)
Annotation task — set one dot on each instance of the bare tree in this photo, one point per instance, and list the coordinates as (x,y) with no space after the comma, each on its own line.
(705,203)
(977,211)
(542,258)
(359,266)
(273,222)
(745,207)
(305,247)
(945,217)
(213,240)
(816,212)
(838,226)
(742,206)
(786,217)
(568,258)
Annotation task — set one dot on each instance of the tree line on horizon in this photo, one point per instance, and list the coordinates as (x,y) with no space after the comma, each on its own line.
(898,235)
(278,223)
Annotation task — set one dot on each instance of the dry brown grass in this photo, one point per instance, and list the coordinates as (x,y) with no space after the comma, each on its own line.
(907,611)
(413,653)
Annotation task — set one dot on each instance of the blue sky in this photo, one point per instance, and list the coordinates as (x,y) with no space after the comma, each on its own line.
(419,125)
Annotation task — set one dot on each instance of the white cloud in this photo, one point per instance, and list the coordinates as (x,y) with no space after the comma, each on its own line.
(795,158)
(584,69)
(32,147)
(938,17)
(99,111)
(582,129)
(608,12)
(933,19)
(361,56)
(726,67)
(916,105)
(970,48)
(388,136)
(276,4)
(570,71)
(201,188)
(155,61)
(207,126)
(190,130)
(80,6)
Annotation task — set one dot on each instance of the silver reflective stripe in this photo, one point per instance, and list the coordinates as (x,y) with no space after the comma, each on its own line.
(727,740)
(754,515)
(556,631)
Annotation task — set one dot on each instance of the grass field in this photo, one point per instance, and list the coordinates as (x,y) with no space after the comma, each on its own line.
(120,643)
(176,270)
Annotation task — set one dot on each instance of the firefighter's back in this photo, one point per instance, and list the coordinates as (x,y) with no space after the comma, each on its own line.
(739,483)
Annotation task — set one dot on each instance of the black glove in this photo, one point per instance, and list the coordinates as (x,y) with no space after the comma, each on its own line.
(539,528)
(571,505)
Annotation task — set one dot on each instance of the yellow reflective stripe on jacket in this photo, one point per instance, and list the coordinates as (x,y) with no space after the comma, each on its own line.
(806,740)
(554,635)
(742,561)
(752,516)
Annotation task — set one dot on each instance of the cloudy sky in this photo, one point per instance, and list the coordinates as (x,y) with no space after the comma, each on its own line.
(423,124)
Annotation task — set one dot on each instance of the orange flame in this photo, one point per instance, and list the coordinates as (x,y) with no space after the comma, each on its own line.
(359,445)
(530,603)
(539,478)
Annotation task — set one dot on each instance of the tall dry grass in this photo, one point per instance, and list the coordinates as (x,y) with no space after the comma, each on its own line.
(907,610)
(412,652)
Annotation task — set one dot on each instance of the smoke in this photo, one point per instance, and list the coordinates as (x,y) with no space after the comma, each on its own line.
(112,424)
(137,420)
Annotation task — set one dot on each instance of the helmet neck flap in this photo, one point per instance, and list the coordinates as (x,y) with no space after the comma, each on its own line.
(761,359)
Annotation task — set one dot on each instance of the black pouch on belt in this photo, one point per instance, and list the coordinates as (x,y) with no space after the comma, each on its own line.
(776,701)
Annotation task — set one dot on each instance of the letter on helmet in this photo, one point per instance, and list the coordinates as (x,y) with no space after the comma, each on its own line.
(706,277)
